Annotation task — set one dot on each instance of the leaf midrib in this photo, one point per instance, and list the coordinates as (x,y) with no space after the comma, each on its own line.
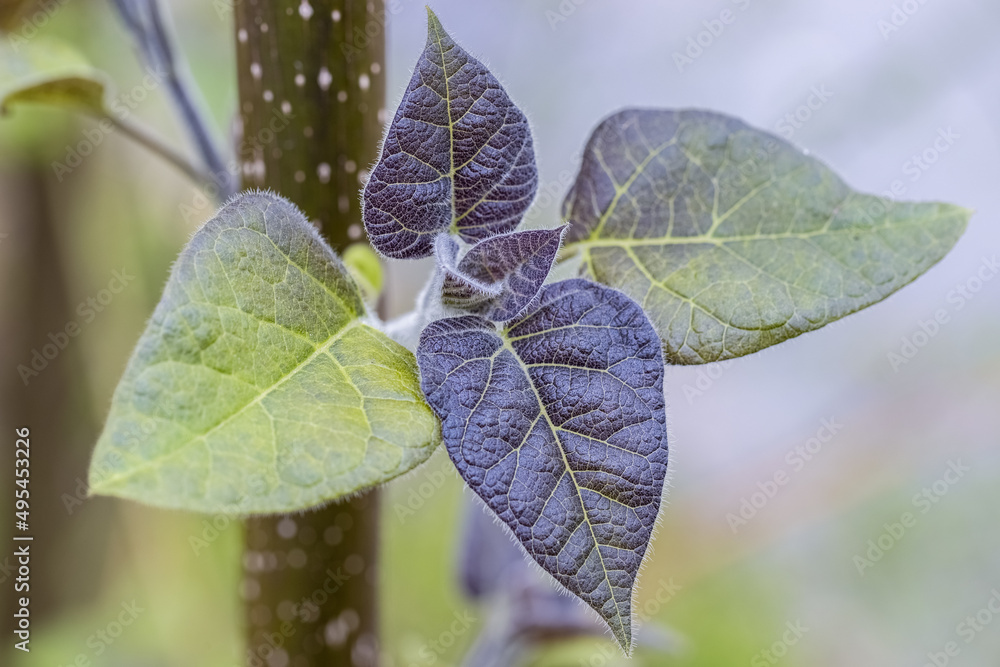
(576,486)
(438,39)
(712,239)
(202,437)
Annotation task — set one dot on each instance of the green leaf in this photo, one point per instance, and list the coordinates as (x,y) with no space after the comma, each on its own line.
(256,386)
(732,239)
(366,269)
(47,71)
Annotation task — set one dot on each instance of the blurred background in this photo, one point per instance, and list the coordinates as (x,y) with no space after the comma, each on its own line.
(878,415)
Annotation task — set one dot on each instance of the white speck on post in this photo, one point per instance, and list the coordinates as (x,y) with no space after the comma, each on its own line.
(354,564)
(354,232)
(279,658)
(364,82)
(286,107)
(342,96)
(300,79)
(263,27)
(350,617)
(242,35)
(305,10)
(255,70)
(268,96)
(325,78)
(343,203)
(335,14)
(250,589)
(323,172)
(287,528)
(376,68)
(382,115)
(335,633)
(300,176)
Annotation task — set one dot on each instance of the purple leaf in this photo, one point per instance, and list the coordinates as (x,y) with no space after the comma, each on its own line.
(500,276)
(458,156)
(558,424)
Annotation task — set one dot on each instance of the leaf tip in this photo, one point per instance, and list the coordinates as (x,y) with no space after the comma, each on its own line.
(96,487)
(622,630)
(434,28)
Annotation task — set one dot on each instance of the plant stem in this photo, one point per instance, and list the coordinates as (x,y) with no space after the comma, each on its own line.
(145,137)
(311,97)
(145,22)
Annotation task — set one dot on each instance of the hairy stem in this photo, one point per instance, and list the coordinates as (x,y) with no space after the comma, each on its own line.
(146,23)
(146,138)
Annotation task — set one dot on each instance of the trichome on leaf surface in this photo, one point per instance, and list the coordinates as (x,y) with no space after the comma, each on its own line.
(262,384)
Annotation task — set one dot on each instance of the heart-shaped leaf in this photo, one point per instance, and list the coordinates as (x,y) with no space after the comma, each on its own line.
(558,424)
(256,387)
(732,239)
(499,276)
(458,156)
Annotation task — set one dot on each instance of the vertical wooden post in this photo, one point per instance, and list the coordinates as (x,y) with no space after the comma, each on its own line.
(312,96)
